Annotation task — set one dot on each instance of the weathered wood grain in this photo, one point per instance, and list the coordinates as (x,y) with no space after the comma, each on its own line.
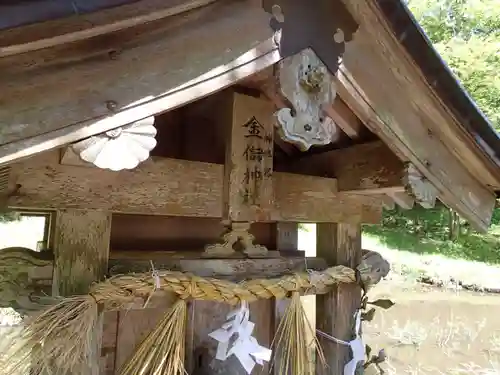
(229,269)
(370,168)
(405,112)
(135,324)
(338,244)
(248,183)
(52,33)
(297,200)
(131,234)
(108,347)
(160,66)
(181,188)
(205,317)
(81,249)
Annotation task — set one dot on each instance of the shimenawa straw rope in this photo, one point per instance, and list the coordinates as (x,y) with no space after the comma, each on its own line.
(60,339)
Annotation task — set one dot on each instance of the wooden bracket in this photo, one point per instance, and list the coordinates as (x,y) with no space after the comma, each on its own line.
(308,86)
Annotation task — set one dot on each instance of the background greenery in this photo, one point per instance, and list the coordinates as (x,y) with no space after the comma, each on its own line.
(467,35)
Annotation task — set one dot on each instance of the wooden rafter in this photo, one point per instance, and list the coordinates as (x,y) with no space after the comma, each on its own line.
(49,34)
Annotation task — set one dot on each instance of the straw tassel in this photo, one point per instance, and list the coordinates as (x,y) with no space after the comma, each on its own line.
(291,347)
(57,341)
(60,339)
(162,351)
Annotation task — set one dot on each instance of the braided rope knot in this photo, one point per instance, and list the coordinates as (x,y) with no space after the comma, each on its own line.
(123,289)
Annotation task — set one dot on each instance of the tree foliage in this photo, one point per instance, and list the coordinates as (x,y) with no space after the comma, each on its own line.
(467,35)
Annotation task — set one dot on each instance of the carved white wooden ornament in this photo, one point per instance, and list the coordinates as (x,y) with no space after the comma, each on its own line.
(235,337)
(307,84)
(419,187)
(121,148)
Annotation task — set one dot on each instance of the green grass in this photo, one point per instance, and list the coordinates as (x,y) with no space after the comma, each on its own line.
(427,232)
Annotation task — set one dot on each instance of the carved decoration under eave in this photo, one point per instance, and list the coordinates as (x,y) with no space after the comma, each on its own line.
(419,187)
(121,148)
(25,278)
(306,83)
(324,27)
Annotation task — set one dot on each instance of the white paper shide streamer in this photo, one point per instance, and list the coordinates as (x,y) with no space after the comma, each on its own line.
(357,346)
(235,337)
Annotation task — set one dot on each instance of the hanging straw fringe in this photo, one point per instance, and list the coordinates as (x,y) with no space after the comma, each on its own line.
(61,337)
(58,341)
(162,351)
(295,353)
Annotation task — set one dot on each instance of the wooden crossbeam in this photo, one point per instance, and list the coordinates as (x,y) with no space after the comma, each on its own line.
(370,168)
(162,186)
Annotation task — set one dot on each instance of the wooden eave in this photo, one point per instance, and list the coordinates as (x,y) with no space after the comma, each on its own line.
(134,65)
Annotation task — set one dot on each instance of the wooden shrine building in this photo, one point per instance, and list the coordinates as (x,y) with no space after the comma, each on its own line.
(195,135)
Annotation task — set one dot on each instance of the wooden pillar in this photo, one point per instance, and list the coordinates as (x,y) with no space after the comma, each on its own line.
(338,244)
(287,236)
(81,250)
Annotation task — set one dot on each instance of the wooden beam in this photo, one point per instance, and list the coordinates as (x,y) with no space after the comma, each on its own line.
(370,168)
(81,249)
(338,244)
(60,31)
(133,83)
(344,118)
(234,269)
(405,113)
(403,200)
(175,187)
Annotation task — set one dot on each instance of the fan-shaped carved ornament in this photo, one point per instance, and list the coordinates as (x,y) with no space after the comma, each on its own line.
(419,187)
(308,86)
(121,148)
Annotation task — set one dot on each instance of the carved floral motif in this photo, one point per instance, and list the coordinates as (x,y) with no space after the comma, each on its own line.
(308,86)
(121,148)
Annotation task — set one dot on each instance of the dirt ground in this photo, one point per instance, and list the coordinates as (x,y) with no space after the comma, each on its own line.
(436,331)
